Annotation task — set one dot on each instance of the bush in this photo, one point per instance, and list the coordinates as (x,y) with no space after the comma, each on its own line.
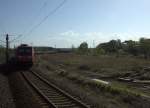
(83,48)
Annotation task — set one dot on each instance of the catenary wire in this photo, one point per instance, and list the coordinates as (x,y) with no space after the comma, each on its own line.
(45,18)
(31,24)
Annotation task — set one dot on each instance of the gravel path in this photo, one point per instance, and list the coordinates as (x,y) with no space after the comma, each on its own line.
(6,98)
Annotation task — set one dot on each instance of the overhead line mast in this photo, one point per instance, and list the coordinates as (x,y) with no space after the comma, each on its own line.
(7,48)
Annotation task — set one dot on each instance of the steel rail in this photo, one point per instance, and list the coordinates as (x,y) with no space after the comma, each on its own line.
(38,91)
(76,103)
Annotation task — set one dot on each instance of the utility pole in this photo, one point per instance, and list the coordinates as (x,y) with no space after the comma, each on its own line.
(93,44)
(7,48)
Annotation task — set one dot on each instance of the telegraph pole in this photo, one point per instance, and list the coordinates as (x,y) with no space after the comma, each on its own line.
(7,48)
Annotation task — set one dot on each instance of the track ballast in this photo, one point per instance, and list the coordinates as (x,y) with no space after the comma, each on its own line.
(52,96)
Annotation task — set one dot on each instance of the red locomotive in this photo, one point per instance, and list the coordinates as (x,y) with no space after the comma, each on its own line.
(25,54)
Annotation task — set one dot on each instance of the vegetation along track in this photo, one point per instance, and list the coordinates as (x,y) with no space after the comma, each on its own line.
(52,96)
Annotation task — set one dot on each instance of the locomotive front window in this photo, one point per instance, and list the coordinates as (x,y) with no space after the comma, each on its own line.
(25,51)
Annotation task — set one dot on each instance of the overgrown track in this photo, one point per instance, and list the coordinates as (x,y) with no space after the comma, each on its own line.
(52,96)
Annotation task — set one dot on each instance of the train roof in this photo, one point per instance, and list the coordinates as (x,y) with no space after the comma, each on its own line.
(24,45)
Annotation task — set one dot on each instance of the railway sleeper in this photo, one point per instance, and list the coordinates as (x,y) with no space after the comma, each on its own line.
(59,100)
(42,87)
(44,104)
(52,94)
(50,91)
(63,102)
(68,106)
(57,97)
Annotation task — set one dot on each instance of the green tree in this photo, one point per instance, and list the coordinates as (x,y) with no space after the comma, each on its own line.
(83,48)
(145,47)
(131,47)
(99,51)
(112,46)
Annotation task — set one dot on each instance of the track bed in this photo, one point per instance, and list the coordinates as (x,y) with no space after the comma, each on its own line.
(51,95)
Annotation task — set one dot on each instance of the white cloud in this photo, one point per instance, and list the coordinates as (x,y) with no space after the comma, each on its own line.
(71,37)
(69,33)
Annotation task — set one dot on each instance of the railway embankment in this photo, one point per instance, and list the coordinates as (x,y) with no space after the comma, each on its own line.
(6,97)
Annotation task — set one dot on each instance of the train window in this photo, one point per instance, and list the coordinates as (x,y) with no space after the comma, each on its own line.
(21,50)
(25,51)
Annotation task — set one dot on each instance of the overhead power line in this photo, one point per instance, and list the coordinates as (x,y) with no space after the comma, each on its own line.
(2,45)
(42,21)
(50,13)
(2,41)
(38,14)
(16,38)
(31,24)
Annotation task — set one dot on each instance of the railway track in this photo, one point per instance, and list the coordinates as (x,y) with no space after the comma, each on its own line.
(52,96)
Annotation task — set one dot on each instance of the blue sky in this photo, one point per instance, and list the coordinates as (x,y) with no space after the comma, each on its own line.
(76,21)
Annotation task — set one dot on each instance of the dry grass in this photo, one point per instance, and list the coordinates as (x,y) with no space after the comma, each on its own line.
(113,89)
(68,70)
(103,65)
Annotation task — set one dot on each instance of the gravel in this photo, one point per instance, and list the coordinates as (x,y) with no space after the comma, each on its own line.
(6,97)
(22,92)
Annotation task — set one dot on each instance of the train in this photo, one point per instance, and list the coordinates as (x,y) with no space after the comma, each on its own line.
(24,54)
